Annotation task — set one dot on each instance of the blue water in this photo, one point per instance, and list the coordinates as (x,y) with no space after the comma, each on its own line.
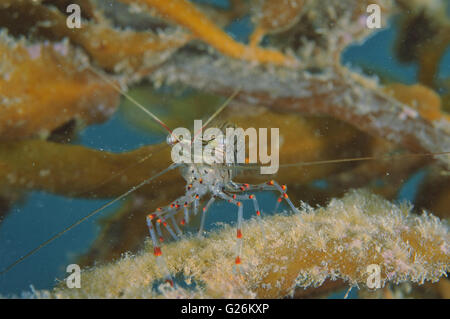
(116,135)
(377,53)
(41,215)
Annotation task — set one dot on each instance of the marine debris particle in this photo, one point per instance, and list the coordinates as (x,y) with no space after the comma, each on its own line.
(336,242)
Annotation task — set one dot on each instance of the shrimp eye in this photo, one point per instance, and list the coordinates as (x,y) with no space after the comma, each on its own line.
(170,139)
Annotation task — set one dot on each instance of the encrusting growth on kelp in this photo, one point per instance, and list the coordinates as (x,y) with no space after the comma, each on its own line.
(301,250)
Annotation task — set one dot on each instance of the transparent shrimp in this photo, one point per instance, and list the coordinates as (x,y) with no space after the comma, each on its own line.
(216,183)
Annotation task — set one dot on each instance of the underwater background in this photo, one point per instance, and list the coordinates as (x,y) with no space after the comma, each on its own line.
(38,214)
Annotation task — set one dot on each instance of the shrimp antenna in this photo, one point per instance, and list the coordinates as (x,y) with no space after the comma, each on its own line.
(220,109)
(130,98)
(98,210)
(347,160)
(360,159)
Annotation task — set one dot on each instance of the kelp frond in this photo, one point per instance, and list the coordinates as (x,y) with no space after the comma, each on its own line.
(304,250)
